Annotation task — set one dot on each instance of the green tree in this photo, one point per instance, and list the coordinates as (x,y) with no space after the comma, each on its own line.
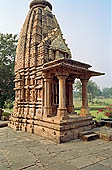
(8,43)
(107,92)
(93,90)
(77,89)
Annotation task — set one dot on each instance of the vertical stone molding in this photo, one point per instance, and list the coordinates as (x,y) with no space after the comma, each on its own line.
(50,54)
(84,110)
(70,91)
(57,54)
(62,109)
(47,96)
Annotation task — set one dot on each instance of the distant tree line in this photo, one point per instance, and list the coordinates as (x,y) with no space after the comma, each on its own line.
(93,91)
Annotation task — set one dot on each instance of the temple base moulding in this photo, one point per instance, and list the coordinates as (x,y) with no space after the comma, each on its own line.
(54,129)
(62,114)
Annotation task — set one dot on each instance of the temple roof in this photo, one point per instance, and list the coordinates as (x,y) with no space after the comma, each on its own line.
(77,68)
(40,2)
(41,43)
(38,24)
(68,61)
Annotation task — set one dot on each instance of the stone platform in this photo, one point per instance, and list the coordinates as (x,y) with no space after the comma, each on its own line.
(54,129)
(104,133)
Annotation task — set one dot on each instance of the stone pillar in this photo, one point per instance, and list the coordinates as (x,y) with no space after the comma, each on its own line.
(57,54)
(47,97)
(84,109)
(62,110)
(50,55)
(70,93)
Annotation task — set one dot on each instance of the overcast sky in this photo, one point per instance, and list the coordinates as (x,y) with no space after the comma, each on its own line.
(86,25)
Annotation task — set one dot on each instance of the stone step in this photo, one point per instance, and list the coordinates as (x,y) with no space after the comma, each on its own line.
(104,133)
(100,123)
(85,133)
(108,124)
(90,137)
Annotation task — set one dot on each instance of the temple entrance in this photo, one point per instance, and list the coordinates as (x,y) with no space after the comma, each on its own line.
(68,99)
(55,94)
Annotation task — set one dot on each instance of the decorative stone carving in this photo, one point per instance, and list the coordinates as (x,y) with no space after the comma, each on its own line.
(44,72)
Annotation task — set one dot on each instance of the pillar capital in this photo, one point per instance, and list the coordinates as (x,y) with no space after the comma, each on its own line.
(48,79)
(47,76)
(63,77)
(84,80)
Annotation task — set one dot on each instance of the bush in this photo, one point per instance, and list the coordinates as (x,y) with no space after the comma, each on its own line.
(107,111)
(8,105)
(5,114)
(2,102)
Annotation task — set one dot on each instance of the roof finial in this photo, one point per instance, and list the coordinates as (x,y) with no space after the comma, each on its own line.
(43,3)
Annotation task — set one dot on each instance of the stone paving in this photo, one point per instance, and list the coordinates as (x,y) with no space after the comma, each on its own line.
(22,150)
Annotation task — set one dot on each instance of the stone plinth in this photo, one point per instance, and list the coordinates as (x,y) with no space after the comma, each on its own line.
(54,129)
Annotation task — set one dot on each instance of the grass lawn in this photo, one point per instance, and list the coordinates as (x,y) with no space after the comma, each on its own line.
(98,104)
(94,113)
(98,116)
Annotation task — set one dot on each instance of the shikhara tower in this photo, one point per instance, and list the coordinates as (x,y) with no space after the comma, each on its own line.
(44,75)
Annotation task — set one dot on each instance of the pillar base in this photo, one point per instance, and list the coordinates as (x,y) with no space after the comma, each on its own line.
(71,109)
(84,112)
(62,114)
(47,111)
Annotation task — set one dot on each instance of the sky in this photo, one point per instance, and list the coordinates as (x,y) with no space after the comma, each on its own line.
(86,26)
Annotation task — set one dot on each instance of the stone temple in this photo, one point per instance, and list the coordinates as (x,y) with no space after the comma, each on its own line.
(44,76)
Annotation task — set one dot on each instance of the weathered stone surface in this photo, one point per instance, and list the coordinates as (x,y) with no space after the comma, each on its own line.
(104,133)
(44,78)
(19,157)
(107,162)
(22,150)
(4,166)
(97,166)
(86,161)
(62,166)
